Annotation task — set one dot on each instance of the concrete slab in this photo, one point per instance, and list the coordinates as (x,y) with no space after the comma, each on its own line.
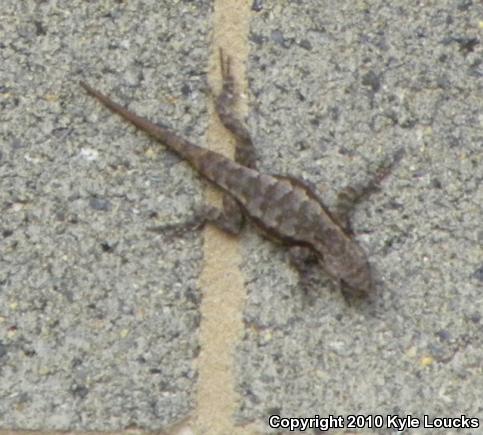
(99,311)
(335,88)
(100,301)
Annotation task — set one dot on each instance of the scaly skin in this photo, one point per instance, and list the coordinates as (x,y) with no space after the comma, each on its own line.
(285,208)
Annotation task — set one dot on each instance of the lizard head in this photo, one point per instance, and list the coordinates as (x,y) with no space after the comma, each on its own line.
(358,281)
(347,264)
(355,274)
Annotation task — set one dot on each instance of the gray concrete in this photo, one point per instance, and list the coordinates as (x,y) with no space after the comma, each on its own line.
(99,315)
(335,89)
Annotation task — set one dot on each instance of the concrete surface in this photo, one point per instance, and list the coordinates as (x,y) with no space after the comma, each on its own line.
(99,314)
(334,89)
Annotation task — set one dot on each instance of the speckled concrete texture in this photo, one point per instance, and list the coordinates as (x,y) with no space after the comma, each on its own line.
(99,307)
(99,290)
(335,89)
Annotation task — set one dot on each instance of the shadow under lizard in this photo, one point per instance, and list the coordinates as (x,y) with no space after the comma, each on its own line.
(284,208)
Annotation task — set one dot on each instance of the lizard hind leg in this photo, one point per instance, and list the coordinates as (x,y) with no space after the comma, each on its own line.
(225,107)
(228,219)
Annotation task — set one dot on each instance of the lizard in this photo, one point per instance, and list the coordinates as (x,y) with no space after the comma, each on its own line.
(286,209)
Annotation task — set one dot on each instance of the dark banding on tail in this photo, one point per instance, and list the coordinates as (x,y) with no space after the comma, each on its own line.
(192,153)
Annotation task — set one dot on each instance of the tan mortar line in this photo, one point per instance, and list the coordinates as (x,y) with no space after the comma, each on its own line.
(221,280)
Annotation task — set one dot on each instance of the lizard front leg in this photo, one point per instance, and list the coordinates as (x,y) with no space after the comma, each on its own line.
(302,258)
(352,195)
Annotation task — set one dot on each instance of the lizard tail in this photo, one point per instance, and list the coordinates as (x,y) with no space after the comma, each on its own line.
(185,149)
